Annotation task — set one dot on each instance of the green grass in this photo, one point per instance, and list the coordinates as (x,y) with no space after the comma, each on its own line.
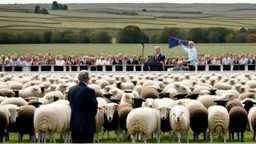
(80,49)
(165,139)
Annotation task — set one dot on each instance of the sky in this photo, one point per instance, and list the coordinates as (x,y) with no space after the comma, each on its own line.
(126,1)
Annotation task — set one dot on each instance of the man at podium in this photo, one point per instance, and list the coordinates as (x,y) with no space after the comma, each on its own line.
(158,57)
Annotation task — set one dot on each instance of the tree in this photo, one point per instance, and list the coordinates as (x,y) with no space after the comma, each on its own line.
(65,7)
(144,37)
(166,32)
(251,38)
(55,5)
(69,38)
(243,30)
(198,35)
(33,37)
(60,7)
(83,36)
(252,31)
(65,32)
(223,32)
(37,10)
(21,39)
(47,37)
(230,38)
(241,37)
(44,11)
(56,37)
(7,38)
(130,34)
(154,39)
(144,10)
(214,37)
(99,37)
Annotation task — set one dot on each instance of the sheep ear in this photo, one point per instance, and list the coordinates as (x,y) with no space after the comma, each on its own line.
(116,106)
(169,108)
(101,107)
(55,98)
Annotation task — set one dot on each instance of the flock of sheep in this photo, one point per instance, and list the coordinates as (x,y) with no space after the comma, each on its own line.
(135,105)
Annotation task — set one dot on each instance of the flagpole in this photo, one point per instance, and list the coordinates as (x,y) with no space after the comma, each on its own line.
(142,43)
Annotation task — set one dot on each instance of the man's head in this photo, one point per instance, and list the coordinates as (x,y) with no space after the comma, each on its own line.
(191,44)
(157,49)
(83,76)
(180,63)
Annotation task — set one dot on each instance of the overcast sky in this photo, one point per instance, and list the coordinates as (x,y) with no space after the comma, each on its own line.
(127,1)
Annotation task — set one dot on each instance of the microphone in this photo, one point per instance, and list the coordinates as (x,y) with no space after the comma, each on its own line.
(142,42)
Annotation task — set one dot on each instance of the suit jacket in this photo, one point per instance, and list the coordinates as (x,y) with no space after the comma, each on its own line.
(160,57)
(250,61)
(84,108)
(116,63)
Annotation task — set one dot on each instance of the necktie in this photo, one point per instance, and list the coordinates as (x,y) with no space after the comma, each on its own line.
(156,57)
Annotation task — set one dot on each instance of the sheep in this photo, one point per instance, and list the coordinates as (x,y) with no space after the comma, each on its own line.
(179,121)
(238,119)
(252,121)
(7,92)
(16,101)
(127,98)
(61,87)
(4,121)
(111,119)
(251,83)
(30,91)
(137,102)
(218,121)
(51,88)
(123,111)
(150,92)
(143,121)
(124,85)
(248,104)
(52,118)
(244,95)
(164,106)
(222,86)
(208,100)
(15,86)
(54,96)
(13,109)
(170,93)
(34,103)
(198,118)
(24,122)
(149,102)
(102,83)
(99,118)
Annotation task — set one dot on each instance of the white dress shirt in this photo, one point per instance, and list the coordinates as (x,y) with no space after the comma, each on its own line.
(192,55)
(100,62)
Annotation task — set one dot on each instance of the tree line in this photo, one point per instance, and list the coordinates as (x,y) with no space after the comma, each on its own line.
(132,34)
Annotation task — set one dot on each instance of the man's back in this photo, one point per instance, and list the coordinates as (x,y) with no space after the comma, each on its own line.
(83,108)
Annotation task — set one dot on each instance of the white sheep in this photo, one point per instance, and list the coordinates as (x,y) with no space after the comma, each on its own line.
(143,121)
(16,101)
(99,118)
(51,118)
(179,121)
(218,121)
(222,86)
(34,91)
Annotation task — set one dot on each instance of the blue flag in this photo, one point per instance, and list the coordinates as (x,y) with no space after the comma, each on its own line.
(173,42)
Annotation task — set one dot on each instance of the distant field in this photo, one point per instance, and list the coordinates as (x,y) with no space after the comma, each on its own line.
(105,16)
(80,49)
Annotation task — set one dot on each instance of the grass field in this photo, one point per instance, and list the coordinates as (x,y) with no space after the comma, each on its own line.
(165,139)
(81,49)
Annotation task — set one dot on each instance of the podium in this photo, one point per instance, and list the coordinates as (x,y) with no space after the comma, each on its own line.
(154,66)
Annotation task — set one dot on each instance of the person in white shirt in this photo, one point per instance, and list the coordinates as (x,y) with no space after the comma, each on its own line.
(226,60)
(215,61)
(243,60)
(101,61)
(107,61)
(192,55)
(59,61)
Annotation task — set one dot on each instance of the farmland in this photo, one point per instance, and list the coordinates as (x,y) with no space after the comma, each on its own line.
(111,16)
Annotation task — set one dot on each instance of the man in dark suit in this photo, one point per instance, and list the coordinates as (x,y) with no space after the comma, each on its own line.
(117,61)
(158,56)
(84,108)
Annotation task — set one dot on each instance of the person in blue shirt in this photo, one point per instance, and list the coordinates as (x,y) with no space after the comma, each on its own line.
(192,55)
(21,62)
(226,60)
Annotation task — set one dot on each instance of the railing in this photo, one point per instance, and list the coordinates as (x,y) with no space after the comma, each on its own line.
(118,68)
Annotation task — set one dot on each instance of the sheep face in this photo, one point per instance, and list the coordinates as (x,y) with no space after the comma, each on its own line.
(184,89)
(177,115)
(109,110)
(128,97)
(204,92)
(148,103)
(13,109)
(36,90)
(164,111)
(61,87)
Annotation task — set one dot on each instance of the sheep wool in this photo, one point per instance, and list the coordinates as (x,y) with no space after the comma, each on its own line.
(218,121)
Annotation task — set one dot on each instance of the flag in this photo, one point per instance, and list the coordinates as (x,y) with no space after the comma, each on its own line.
(173,42)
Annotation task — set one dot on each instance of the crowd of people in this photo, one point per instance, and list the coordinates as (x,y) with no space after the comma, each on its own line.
(119,59)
